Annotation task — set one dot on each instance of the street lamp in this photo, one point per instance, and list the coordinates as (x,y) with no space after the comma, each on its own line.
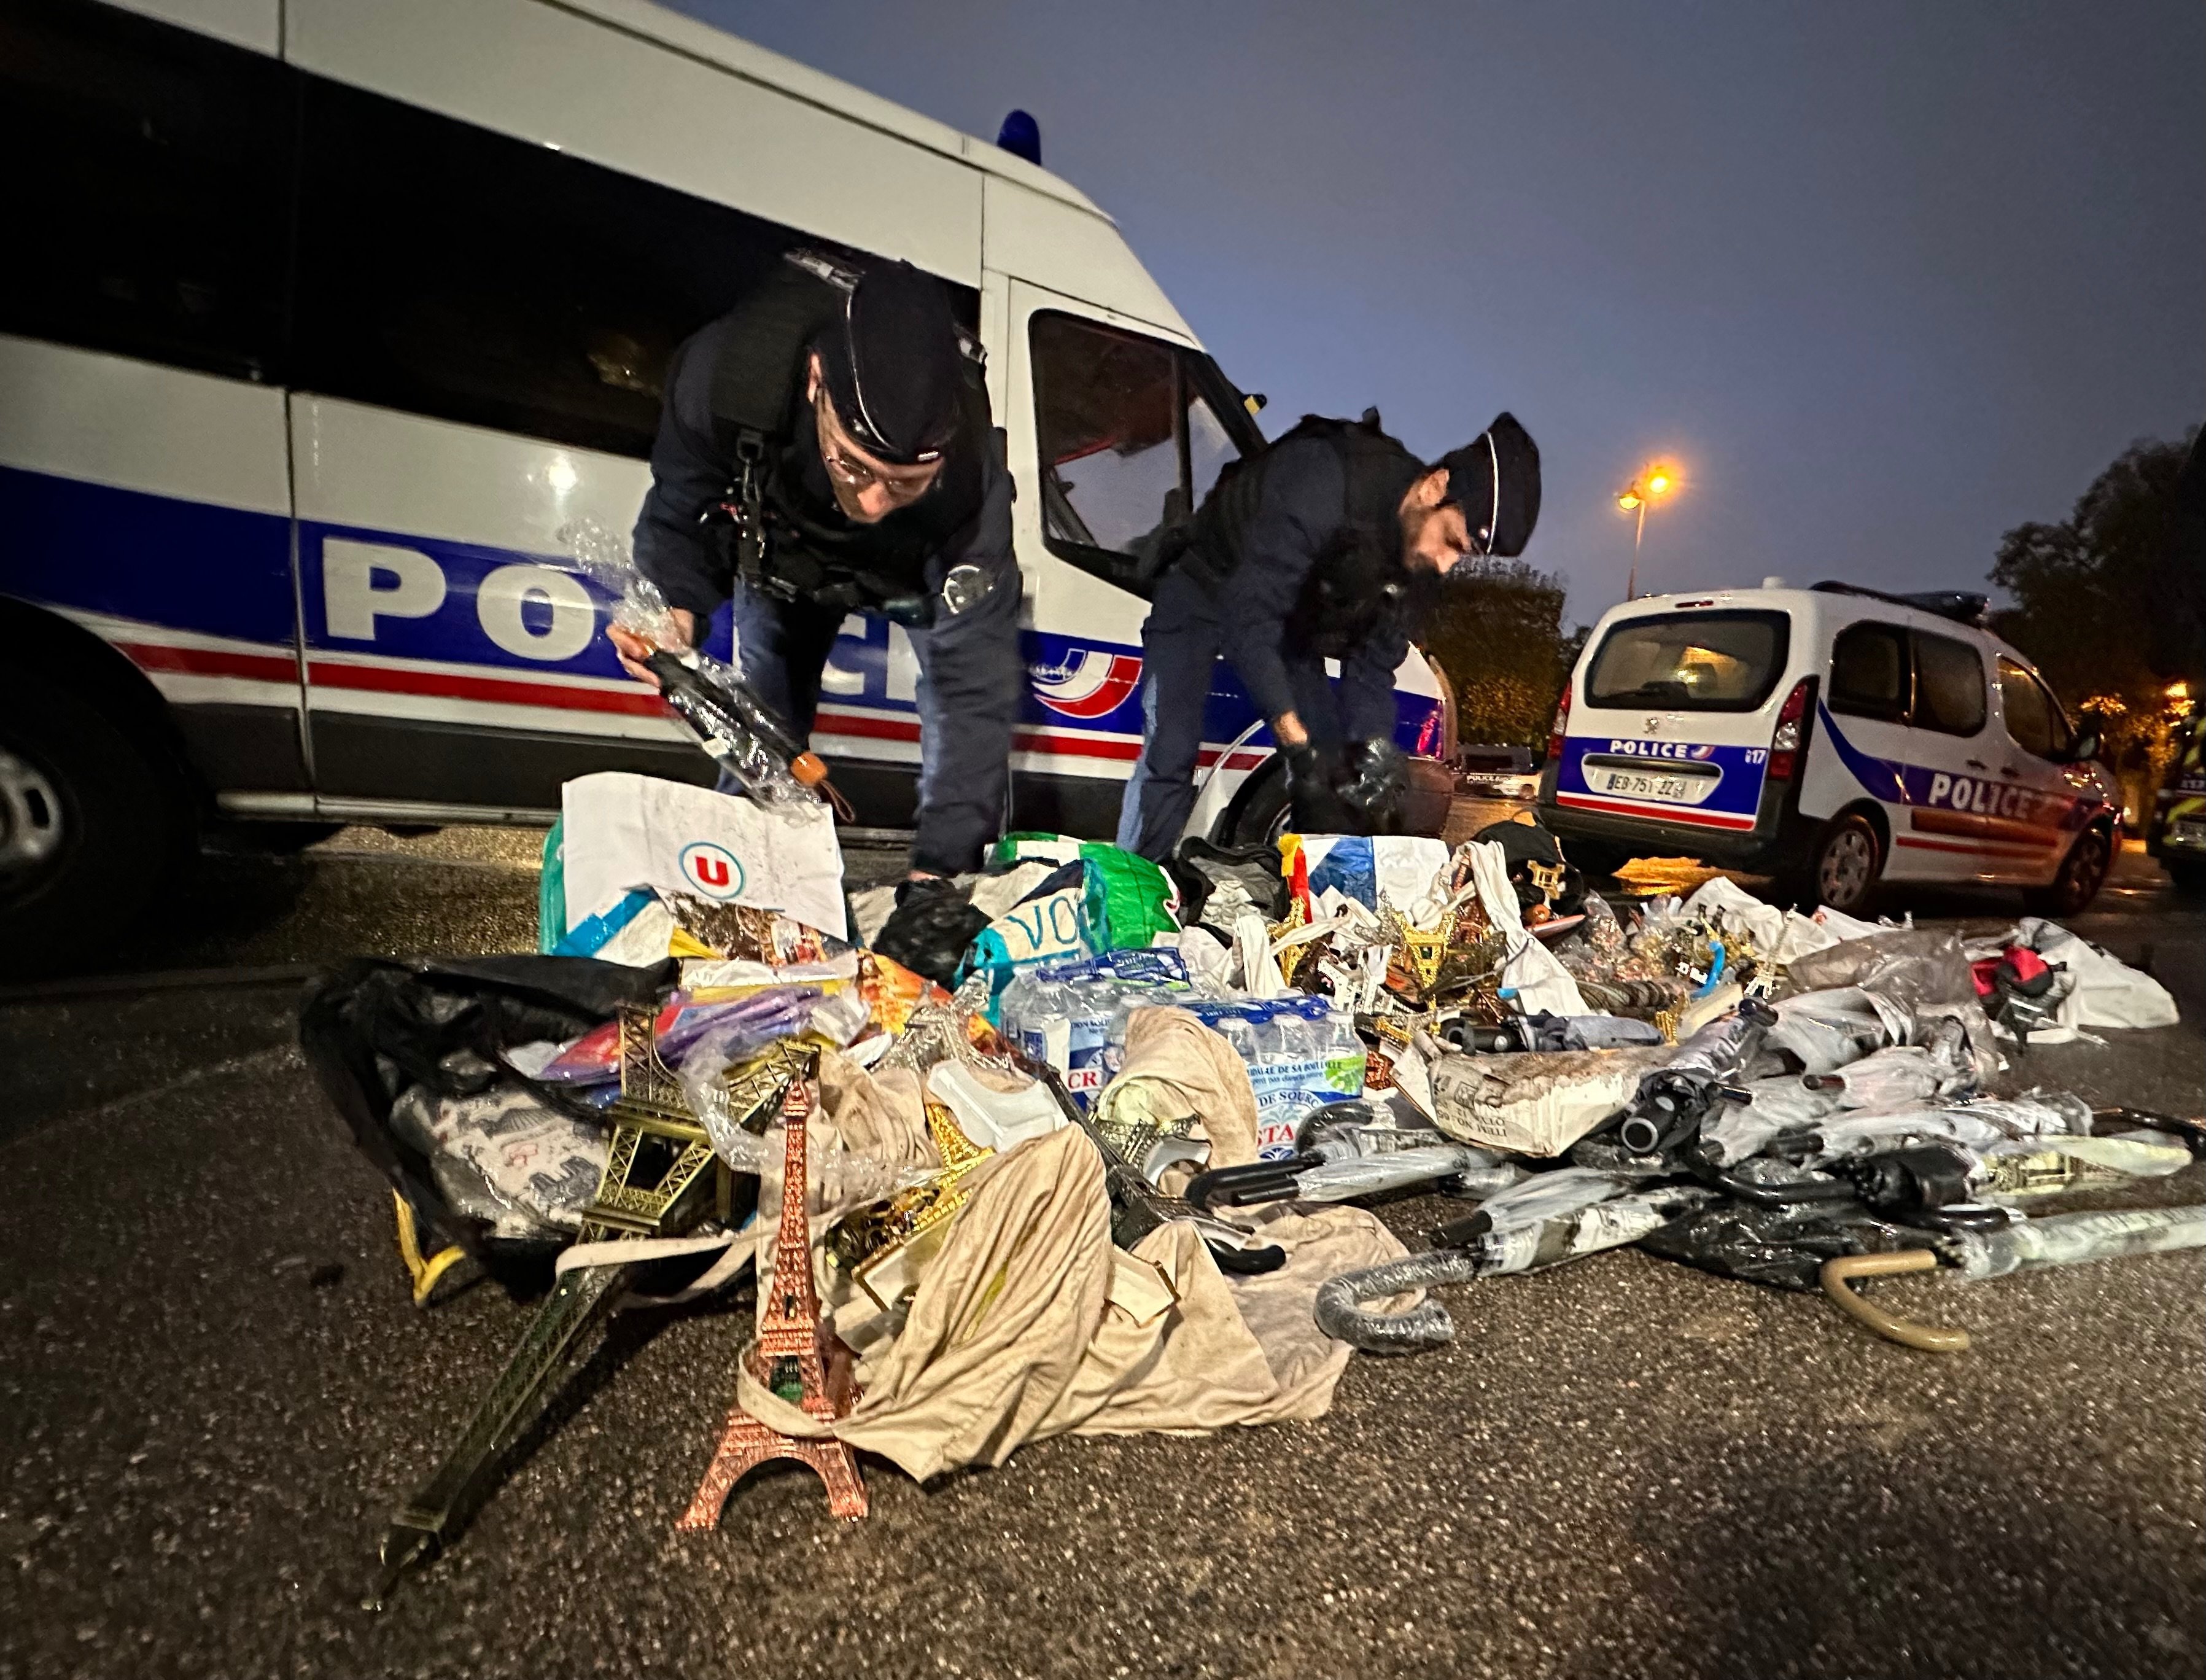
(1655,481)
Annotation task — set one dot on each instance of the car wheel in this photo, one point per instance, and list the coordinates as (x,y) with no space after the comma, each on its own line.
(93,822)
(1260,810)
(1843,869)
(2082,873)
(2188,874)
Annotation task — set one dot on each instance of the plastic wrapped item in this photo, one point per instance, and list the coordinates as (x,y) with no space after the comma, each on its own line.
(1783,1247)
(1898,1077)
(1675,1100)
(1910,966)
(1937,1176)
(744,735)
(524,1169)
(2069,1239)
(1782,1104)
(1826,1029)
(2107,993)
(1550,1240)
(1976,1125)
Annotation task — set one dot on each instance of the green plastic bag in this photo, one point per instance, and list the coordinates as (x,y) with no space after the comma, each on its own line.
(551,890)
(1129,899)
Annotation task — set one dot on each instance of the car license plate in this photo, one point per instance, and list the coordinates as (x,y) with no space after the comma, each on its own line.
(1651,784)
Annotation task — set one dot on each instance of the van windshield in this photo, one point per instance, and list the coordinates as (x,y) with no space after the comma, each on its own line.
(1691,661)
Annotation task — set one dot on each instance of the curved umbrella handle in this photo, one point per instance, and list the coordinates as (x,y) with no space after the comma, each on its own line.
(1837,1273)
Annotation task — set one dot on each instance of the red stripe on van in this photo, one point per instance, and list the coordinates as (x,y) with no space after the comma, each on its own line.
(211,662)
(1668,814)
(1992,846)
(496,690)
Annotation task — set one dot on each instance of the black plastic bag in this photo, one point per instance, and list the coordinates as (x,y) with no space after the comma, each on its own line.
(374,1028)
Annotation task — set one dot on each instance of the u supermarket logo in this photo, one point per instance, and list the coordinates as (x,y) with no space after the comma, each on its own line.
(713,870)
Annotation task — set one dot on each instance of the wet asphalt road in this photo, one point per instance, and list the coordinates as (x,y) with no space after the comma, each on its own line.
(213,1392)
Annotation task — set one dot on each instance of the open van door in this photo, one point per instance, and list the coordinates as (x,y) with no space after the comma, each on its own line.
(1116,430)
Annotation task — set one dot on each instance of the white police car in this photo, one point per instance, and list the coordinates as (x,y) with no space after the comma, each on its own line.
(1836,737)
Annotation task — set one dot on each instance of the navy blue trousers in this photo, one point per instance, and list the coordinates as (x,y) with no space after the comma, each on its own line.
(971,675)
(1181,640)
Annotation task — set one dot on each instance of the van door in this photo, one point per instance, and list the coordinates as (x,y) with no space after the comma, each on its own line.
(2036,796)
(482,328)
(1114,432)
(144,489)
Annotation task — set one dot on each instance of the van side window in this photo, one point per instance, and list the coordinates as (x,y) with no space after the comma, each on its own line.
(454,272)
(1871,673)
(149,186)
(2033,718)
(1132,436)
(1949,685)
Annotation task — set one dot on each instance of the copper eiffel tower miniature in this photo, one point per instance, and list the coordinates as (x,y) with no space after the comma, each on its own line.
(786,1358)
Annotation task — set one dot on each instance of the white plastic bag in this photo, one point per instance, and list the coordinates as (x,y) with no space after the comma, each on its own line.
(623,831)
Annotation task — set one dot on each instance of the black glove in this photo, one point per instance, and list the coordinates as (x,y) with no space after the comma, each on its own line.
(1313,784)
(1376,780)
(930,928)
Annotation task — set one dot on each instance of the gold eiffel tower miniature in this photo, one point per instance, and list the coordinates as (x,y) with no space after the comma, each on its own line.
(785,1357)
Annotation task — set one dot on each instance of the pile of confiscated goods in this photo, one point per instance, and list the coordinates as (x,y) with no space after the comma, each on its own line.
(1103,1181)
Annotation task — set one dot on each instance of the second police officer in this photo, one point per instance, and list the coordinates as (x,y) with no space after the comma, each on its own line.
(1329,545)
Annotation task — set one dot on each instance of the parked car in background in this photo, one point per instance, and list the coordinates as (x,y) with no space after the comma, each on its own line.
(1497,772)
(2175,828)
(1835,738)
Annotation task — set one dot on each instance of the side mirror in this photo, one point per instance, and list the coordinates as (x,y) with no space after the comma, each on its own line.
(2087,747)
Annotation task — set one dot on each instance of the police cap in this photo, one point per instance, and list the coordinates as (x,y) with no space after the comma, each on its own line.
(1495,480)
(893,368)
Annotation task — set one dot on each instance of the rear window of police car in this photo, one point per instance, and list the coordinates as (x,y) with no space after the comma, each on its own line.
(1691,661)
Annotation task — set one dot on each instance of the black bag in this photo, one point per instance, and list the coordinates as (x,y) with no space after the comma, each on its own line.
(1537,869)
(373,1028)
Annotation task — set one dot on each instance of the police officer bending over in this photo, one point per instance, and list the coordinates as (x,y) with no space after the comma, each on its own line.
(825,448)
(1329,545)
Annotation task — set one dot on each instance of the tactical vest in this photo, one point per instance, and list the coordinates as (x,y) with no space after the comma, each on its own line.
(1359,580)
(787,538)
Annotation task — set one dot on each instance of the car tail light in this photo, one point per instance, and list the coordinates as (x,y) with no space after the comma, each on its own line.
(1560,727)
(1785,741)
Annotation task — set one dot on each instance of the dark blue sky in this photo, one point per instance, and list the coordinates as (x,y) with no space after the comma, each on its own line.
(1886,278)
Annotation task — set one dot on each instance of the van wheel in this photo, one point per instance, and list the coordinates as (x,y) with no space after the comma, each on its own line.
(1843,871)
(2189,876)
(93,824)
(1259,810)
(2082,873)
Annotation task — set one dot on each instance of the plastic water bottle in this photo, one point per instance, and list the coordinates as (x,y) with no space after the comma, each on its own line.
(1287,1040)
(1345,1058)
(1238,1026)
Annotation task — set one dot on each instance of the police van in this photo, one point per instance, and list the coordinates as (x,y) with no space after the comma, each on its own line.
(327,317)
(1836,737)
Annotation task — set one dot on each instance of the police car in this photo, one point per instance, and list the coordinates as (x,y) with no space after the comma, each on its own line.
(343,311)
(2176,831)
(1837,737)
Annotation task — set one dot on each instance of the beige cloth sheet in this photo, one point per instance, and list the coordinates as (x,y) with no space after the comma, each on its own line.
(1029,1323)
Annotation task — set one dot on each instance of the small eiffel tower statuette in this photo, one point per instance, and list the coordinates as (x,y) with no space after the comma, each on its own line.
(785,1357)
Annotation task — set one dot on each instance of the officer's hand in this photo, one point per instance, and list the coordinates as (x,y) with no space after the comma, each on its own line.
(634,650)
(1313,775)
(1377,776)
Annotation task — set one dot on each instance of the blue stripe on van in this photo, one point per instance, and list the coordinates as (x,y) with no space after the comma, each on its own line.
(187,565)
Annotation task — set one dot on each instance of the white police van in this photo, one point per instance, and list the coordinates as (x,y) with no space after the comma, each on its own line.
(1835,738)
(325,317)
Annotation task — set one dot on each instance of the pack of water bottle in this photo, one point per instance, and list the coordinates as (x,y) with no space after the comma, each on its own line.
(1061,1013)
(1299,1050)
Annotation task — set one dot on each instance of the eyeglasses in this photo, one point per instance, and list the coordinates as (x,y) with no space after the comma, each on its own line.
(857,475)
